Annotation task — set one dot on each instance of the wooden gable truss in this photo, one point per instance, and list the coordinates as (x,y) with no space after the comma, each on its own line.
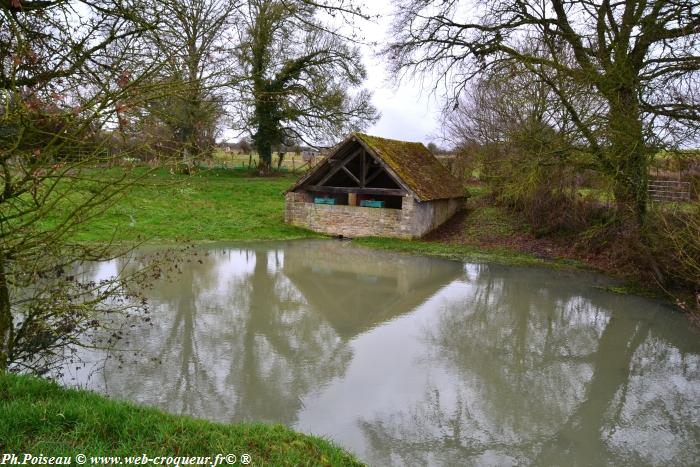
(353,169)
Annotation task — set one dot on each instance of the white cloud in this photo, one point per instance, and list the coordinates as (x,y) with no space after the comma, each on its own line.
(408,112)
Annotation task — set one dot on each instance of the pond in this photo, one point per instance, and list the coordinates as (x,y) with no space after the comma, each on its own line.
(412,360)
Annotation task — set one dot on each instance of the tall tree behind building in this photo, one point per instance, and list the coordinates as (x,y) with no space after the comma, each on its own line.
(194,40)
(298,80)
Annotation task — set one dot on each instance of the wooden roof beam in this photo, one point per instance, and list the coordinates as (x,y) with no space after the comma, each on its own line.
(356,189)
(340,166)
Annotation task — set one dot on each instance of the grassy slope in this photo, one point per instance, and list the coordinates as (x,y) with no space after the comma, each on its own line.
(40,417)
(210,205)
(457,252)
(482,225)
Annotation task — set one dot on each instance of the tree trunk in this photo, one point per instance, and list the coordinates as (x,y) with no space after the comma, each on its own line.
(5,319)
(265,156)
(267,118)
(280,159)
(628,154)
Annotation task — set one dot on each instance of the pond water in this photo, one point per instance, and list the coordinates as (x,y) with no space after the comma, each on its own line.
(418,361)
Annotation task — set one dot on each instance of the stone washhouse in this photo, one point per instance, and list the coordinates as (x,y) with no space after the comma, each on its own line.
(371,186)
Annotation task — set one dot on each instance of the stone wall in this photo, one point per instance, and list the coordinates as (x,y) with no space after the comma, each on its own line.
(413,220)
(422,218)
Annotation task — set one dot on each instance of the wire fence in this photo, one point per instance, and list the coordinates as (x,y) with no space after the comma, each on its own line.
(669,190)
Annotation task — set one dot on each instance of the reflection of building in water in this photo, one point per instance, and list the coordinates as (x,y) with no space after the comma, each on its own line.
(355,289)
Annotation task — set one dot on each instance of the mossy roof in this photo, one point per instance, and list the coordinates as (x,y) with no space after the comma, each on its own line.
(415,166)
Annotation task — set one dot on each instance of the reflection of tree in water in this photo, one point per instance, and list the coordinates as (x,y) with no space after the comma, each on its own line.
(288,351)
(251,333)
(548,376)
(233,344)
(655,414)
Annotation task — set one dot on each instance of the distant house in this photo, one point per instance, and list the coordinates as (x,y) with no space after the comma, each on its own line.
(229,148)
(371,186)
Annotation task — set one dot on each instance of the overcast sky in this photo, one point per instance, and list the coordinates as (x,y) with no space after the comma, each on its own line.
(407,113)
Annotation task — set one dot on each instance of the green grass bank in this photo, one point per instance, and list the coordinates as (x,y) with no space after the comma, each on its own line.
(230,205)
(211,205)
(42,418)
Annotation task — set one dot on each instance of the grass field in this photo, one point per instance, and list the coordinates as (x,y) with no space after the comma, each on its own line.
(213,204)
(467,253)
(291,161)
(41,418)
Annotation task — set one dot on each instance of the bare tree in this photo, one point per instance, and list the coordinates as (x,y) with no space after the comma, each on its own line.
(528,151)
(64,78)
(641,59)
(194,41)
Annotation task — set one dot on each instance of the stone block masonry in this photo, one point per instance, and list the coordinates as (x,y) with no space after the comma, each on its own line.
(413,220)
